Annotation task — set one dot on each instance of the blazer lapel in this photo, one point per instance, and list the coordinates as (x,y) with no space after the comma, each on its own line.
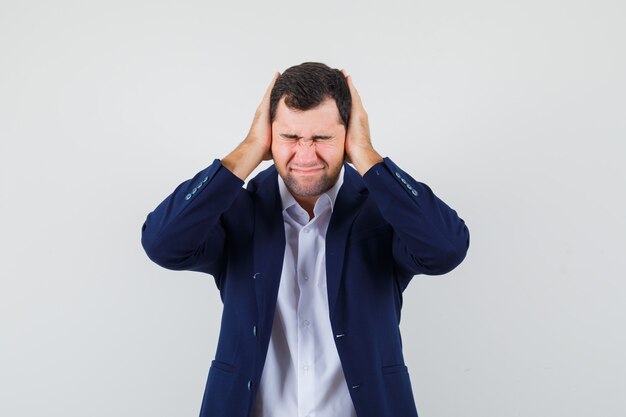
(268,248)
(347,204)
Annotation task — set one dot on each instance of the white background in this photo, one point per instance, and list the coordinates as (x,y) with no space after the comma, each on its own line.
(513,112)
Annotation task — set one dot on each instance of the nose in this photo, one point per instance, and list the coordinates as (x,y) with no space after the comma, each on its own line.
(307,142)
(306,153)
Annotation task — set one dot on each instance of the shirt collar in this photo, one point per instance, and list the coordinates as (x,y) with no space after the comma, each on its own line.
(288,200)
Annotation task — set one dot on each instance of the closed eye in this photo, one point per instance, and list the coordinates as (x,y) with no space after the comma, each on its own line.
(290,138)
(314,138)
(318,138)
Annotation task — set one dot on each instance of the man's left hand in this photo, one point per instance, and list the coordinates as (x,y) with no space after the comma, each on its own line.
(359,149)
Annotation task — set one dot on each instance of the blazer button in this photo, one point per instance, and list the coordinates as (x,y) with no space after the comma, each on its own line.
(188,196)
(414,192)
(250,385)
(254,330)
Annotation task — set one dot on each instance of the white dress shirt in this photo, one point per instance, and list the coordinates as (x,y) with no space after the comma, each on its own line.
(302,376)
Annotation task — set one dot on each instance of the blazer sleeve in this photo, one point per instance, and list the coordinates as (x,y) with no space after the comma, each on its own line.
(185,231)
(428,236)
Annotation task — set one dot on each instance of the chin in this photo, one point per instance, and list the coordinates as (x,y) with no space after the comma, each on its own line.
(310,187)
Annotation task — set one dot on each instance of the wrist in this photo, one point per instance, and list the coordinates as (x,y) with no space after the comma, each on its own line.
(365,159)
(244,159)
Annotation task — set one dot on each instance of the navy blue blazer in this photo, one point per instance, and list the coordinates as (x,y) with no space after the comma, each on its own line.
(385,228)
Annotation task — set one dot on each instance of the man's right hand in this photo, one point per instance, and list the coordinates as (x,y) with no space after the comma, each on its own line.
(256,147)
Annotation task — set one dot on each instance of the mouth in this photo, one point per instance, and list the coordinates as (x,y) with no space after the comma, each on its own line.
(306,170)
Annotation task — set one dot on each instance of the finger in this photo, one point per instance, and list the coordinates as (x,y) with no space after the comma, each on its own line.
(356,98)
(268,92)
(349,81)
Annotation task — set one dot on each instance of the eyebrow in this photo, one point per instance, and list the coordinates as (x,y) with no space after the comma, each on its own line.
(294,136)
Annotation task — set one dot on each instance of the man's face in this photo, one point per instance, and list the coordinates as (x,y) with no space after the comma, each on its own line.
(308,147)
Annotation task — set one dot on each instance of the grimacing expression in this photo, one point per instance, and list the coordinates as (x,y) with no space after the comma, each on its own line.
(308,147)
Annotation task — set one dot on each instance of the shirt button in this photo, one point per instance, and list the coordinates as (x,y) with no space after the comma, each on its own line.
(305,230)
(306,323)
(305,367)
(306,277)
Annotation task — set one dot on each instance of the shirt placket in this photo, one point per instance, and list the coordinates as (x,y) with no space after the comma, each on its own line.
(307,253)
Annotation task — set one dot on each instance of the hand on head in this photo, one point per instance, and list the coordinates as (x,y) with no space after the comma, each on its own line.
(359,149)
(256,147)
(261,130)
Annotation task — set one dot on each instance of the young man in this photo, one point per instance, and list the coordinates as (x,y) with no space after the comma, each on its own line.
(311,259)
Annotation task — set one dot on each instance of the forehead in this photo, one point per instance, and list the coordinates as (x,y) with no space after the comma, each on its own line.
(324,116)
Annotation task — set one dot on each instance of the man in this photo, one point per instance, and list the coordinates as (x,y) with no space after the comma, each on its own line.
(311,258)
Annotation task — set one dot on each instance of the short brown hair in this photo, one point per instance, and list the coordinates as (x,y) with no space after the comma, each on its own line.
(306,85)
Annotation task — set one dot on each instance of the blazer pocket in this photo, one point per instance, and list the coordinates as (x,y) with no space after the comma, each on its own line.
(394,369)
(223,366)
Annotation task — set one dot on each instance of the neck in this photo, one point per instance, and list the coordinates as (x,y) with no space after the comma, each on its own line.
(307,203)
